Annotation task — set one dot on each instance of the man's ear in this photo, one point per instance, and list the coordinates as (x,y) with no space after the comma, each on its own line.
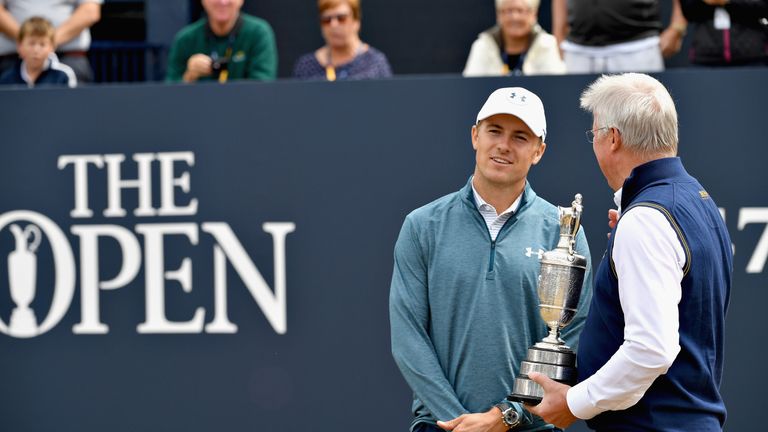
(475,131)
(539,152)
(616,140)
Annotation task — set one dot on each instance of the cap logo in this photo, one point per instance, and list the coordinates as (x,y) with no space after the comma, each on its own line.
(517,98)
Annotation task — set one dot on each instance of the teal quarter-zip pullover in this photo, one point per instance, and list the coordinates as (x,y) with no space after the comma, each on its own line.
(464,309)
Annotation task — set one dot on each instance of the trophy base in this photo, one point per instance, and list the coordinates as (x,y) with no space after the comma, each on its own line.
(526,399)
(556,362)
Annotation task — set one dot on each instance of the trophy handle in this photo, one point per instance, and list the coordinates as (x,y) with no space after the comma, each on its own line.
(577,209)
(27,239)
(33,236)
(570,222)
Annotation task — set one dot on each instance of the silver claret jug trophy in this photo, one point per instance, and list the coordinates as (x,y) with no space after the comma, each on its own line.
(560,280)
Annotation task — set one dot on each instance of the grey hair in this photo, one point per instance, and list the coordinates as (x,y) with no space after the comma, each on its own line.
(639,106)
(533,4)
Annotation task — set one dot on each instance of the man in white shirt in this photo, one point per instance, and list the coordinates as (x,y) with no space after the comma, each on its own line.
(651,353)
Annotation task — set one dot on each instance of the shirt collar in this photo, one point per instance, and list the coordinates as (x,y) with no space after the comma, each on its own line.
(480,202)
(46,66)
(617,198)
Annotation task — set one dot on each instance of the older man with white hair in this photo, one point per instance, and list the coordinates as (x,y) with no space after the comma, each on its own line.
(651,353)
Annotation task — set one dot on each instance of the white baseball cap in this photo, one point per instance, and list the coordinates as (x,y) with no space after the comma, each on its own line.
(520,103)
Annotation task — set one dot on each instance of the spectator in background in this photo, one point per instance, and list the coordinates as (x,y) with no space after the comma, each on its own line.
(598,36)
(39,64)
(728,32)
(515,45)
(344,55)
(225,45)
(72,20)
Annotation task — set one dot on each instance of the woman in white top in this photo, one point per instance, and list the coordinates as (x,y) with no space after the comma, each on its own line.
(516,45)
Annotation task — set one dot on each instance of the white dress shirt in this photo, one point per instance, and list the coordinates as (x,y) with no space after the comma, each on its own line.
(649,260)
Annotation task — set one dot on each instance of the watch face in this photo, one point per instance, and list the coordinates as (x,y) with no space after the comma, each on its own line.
(511,418)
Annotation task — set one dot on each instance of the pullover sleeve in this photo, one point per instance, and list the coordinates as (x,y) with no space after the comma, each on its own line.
(409,311)
(177,60)
(263,56)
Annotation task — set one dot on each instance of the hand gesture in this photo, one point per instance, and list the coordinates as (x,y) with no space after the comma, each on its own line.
(489,421)
(198,65)
(613,218)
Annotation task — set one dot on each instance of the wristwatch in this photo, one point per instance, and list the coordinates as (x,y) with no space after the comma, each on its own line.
(509,415)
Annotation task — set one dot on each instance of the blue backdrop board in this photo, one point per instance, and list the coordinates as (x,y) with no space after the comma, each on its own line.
(206,258)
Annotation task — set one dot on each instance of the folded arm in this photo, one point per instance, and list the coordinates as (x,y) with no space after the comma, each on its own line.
(84,16)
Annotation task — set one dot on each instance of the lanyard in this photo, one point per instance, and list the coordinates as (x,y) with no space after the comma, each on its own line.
(330,70)
(517,70)
(224,72)
(231,38)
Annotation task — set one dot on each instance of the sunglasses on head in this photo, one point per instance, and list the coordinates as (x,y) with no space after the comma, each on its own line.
(341,18)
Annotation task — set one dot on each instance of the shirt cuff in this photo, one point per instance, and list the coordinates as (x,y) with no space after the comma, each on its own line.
(579,404)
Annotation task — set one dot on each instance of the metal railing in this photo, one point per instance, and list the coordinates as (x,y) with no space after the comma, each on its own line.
(121,61)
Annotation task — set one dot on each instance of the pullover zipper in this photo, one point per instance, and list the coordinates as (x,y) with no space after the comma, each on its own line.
(493,255)
(492,258)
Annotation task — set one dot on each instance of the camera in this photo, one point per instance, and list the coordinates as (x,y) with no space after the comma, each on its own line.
(218,65)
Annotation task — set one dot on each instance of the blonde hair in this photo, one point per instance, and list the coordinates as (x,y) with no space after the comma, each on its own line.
(324,5)
(36,26)
(639,106)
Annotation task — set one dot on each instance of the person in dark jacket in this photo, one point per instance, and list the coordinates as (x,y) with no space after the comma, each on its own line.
(38,65)
(728,32)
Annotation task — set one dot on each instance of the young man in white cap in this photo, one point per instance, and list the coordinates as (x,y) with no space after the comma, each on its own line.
(463,301)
